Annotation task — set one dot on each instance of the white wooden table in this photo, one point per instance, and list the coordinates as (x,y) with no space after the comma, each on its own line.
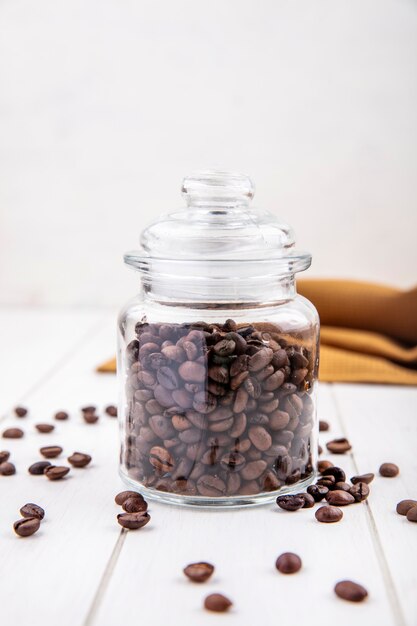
(81,569)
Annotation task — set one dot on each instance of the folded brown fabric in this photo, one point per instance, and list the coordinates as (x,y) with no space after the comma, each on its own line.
(368,332)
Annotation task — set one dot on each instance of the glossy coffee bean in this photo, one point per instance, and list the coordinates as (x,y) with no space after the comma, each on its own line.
(50,452)
(7,469)
(121,497)
(309,501)
(328,514)
(362,478)
(44,428)
(405,505)
(56,472)
(360,491)
(318,492)
(32,510)
(217,602)
(27,526)
(337,472)
(389,470)
(350,591)
(135,504)
(133,521)
(412,514)
(338,446)
(288,563)
(340,498)
(199,572)
(290,503)
(13,433)
(79,459)
(39,468)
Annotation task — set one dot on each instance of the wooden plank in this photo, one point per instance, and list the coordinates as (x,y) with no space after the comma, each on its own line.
(147,580)
(54,574)
(381,422)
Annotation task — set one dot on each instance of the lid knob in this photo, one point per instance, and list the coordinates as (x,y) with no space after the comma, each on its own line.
(217,188)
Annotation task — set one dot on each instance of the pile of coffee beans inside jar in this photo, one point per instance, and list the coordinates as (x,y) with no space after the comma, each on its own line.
(218,410)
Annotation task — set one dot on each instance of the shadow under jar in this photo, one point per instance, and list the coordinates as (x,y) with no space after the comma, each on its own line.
(218,355)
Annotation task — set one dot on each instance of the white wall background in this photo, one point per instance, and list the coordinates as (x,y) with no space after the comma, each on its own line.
(106,104)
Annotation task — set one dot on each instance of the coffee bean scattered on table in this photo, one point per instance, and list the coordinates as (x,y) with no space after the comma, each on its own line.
(4,456)
(26,526)
(338,446)
(111,410)
(61,416)
(133,521)
(7,469)
(405,505)
(318,492)
(362,478)
(216,412)
(328,514)
(338,497)
(348,590)
(389,470)
(90,418)
(199,572)
(79,459)
(288,563)
(412,514)
(32,510)
(44,428)
(290,502)
(135,505)
(39,467)
(323,426)
(360,491)
(20,411)
(323,465)
(13,433)
(217,602)
(121,497)
(309,501)
(50,452)
(56,472)
(337,472)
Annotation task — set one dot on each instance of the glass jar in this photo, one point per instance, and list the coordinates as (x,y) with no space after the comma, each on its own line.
(218,355)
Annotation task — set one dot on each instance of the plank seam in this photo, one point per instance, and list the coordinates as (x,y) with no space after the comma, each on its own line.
(392,595)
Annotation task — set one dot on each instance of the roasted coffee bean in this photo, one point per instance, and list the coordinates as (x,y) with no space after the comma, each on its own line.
(20,411)
(90,418)
(340,498)
(288,563)
(412,514)
(199,572)
(348,590)
(389,470)
(111,410)
(44,428)
(341,485)
(62,415)
(260,359)
(318,492)
(217,602)
(32,510)
(161,459)
(323,425)
(79,459)
(253,470)
(13,433)
(323,465)
(4,456)
(260,437)
(362,478)
(326,481)
(39,468)
(328,514)
(26,526)
(360,492)
(89,409)
(121,497)
(192,372)
(290,503)
(133,521)
(337,472)
(232,460)
(135,504)
(405,505)
(167,378)
(50,452)
(211,486)
(309,501)
(7,469)
(338,446)
(56,472)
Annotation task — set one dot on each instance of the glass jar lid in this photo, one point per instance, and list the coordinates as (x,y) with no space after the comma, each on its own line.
(218,234)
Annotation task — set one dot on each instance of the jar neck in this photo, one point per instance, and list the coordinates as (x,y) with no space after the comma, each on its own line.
(201,293)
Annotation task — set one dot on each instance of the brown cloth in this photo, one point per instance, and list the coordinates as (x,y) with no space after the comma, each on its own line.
(368,332)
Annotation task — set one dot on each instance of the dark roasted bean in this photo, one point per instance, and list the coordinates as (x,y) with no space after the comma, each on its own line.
(338,497)
(309,501)
(20,411)
(328,514)
(318,492)
(7,469)
(359,491)
(161,459)
(4,456)
(405,505)
(50,452)
(32,510)
(217,602)
(288,563)
(63,415)
(44,428)
(362,478)
(389,470)
(79,459)
(337,472)
(290,503)
(338,446)
(348,590)
(121,497)
(111,410)
(323,426)
(13,433)
(199,572)
(26,526)
(56,472)
(39,468)
(133,521)
(323,465)
(412,514)
(135,504)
